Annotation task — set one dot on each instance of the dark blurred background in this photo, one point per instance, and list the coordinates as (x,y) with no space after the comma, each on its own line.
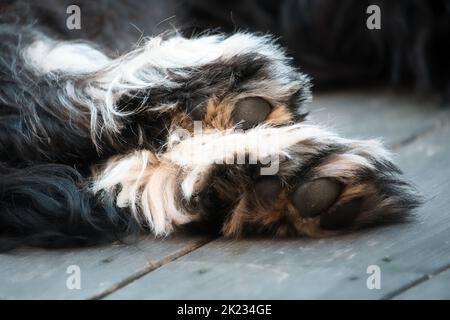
(329,39)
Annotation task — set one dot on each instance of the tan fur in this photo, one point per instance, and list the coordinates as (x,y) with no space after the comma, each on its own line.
(218,114)
(153,185)
(280,115)
(148,186)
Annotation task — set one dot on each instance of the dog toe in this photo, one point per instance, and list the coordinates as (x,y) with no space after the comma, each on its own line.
(315,197)
(341,216)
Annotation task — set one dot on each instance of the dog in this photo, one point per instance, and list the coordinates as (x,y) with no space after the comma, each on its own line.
(206,133)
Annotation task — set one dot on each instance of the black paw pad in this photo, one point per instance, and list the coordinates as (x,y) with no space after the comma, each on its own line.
(267,189)
(249,112)
(315,197)
(342,216)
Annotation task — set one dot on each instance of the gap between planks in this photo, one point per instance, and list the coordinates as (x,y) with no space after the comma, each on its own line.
(416,282)
(443,122)
(414,137)
(151,266)
(396,146)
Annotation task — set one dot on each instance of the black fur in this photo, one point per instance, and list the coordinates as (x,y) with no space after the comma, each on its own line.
(47,153)
(49,205)
(45,159)
(328,38)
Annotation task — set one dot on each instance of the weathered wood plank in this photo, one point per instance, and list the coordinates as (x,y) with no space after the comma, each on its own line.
(41,274)
(435,287)
(328,268)
(373,114)
(267,270)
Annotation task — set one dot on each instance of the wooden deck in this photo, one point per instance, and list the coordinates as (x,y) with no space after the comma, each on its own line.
(414,258)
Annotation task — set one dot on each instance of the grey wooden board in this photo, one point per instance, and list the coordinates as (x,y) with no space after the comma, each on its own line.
(327,268)
(41,274)
(437,287)
(373,114)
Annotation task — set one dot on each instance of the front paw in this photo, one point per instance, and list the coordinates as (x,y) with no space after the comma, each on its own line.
(324,188)
(318,184)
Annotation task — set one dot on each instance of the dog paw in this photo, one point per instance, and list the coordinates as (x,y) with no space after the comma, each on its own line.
(321,193)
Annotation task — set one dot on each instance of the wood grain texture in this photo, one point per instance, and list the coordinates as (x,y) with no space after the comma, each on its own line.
(436,287)
(377,114)
(41,274)
(181,267)
(328,268)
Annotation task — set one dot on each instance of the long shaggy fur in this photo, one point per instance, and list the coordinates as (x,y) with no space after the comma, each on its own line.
(98,142)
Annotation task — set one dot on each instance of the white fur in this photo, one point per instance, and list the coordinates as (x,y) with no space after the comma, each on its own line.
(259,143)
(149,182)
(197,154)
(47,55)
(106,80)
(147,189)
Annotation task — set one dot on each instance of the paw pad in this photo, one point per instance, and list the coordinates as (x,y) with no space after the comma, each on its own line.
(341,216)
(315,197)
(249,112)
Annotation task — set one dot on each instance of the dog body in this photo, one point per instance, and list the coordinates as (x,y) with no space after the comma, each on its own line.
(96,145)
